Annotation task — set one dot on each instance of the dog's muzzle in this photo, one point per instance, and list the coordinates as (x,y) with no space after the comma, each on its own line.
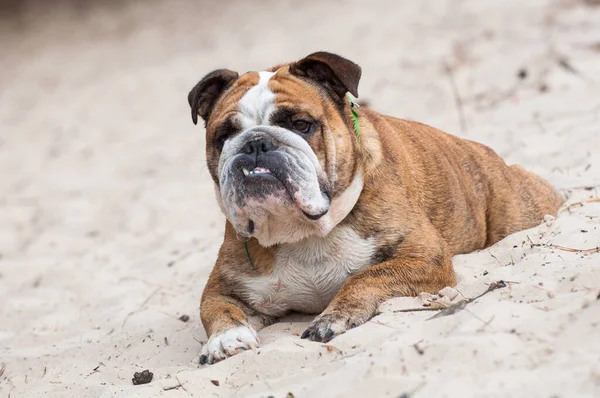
(271,172)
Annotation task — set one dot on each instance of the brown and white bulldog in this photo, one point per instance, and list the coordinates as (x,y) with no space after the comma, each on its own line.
(325,217)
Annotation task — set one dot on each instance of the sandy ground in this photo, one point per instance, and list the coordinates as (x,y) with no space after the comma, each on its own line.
(109,227)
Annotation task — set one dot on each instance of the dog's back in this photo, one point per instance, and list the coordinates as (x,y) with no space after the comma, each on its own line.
(467,191)
(533,198)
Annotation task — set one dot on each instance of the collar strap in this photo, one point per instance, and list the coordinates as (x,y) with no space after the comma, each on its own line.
(245,240)
(248,255)
(354,112)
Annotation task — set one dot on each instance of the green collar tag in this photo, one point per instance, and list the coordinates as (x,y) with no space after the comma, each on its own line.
(249,257)
(245,240)
(354,114)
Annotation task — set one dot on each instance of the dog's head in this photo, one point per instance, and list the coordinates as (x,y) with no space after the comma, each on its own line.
(281,146)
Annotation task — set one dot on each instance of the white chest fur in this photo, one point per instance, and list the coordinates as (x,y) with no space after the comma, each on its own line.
(308,274)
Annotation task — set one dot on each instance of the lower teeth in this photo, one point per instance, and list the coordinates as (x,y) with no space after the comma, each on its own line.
(256,171)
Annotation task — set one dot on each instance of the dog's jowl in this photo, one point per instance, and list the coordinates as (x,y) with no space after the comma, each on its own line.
(331,208)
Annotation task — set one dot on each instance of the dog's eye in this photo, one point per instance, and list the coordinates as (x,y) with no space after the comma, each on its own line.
(301,126)
(220,141)
(223,133)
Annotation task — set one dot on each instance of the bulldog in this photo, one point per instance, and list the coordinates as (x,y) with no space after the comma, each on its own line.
(331,208)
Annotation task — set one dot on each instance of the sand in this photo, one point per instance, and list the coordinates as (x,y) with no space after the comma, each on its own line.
(109,226)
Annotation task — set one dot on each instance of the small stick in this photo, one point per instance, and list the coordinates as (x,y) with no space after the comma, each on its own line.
(412,392)
(566,65)
(199,342)
(494,257)
(531,242)
(458,306)
(181,384)
(141,306)
(485,324)
(493,286)
(586,187)
(167,388)
(568,207)
(419,350)
(457,99)
(418,309)
(453,309)
(383,324)
(572,250)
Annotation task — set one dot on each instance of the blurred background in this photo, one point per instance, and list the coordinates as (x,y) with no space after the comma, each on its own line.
(107,214)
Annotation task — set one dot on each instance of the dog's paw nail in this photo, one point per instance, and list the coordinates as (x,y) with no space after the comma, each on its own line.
(328,335)
(228,343)
(326,327)
(305,334)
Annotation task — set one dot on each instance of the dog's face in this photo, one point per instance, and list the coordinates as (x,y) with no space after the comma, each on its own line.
(280,146)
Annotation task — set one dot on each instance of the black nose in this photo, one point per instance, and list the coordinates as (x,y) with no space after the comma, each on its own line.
(256,147)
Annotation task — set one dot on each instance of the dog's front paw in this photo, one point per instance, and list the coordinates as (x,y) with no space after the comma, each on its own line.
(329,325)
(228,343)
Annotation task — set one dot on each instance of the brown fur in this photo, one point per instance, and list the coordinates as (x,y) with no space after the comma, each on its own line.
(427,196)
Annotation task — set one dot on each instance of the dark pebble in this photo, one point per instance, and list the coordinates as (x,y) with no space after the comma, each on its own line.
(522,74)
(143,377)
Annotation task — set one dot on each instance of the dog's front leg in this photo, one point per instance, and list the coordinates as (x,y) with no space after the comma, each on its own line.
(408,274)
(229,323)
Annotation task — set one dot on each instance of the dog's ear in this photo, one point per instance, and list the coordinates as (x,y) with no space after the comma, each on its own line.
(205,94)
(331,70)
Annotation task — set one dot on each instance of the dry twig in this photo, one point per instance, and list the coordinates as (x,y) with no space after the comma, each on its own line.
(167,388)
(458,306)
(409,394)
(568,207)
(141,306)
(573,250)
(181,384)
(419,350)
(457,99)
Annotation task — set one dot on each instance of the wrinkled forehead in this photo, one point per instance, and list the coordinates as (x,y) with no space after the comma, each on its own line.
(254,96)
